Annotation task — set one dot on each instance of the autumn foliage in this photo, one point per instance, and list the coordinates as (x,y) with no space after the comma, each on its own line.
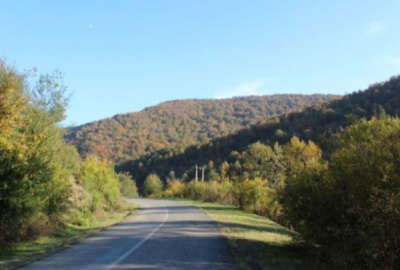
(44,184)
(180,123)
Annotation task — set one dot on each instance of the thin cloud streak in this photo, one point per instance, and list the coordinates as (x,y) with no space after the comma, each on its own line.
(251,88)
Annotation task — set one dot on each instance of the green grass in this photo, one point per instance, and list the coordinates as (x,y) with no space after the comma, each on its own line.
(257,242)
(23,253)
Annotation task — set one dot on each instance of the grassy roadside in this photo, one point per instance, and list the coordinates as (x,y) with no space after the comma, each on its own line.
(23,253)
(256,242)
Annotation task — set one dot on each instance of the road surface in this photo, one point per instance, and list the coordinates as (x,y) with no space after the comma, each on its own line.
(162,235)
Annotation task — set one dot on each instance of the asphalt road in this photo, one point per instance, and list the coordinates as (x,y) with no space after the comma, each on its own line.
(162,235)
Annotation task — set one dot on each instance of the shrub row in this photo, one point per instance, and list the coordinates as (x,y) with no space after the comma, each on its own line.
(251,195)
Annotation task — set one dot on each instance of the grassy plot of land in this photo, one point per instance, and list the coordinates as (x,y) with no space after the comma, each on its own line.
(26,252)
(256,242)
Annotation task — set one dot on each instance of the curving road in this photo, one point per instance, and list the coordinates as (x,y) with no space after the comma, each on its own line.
(162,235)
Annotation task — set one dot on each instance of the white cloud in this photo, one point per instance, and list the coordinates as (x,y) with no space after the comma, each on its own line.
(251,88)
(375,27)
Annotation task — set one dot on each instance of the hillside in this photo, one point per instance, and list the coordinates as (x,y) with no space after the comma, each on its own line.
(180,123)
(315,123)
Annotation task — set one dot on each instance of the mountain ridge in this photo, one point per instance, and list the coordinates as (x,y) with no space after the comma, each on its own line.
(181,122)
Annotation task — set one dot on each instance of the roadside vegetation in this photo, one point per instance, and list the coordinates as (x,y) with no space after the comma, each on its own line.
(153,186)
(46,189)
(128,186)
(25,252)
(345,208)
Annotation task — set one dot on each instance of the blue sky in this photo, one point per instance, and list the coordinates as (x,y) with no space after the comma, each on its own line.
(122,56)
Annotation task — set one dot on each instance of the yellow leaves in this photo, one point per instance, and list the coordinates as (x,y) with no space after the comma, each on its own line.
(255,195)
(301,155)
(11,94)
(175,189)
(99,177)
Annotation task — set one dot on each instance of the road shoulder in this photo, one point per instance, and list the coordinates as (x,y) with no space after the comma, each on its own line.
(256,242)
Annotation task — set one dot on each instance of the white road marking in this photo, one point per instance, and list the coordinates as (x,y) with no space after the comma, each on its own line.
(139,244)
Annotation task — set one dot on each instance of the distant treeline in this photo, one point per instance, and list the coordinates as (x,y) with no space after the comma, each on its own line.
(180,124)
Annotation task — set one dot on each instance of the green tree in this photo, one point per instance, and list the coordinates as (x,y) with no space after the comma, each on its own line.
(99,178)
(352,208)
(35,179)
(300,155)
(260,161)
(128,185)
(153,186)
(224,171)
(257,196)
(12,99)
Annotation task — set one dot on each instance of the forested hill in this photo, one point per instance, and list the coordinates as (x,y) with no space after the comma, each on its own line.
(315,123)
(180,123)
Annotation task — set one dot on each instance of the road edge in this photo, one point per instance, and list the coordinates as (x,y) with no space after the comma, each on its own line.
(56,248)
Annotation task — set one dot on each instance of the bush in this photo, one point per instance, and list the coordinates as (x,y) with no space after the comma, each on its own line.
(128,186)
(212,191)
(153,186)
(256,196)
(101,181)
(175,189)
(352,208)
(226,193)
(195,190)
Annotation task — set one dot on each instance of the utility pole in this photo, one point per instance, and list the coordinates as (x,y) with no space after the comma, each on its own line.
(202,173)
(197,175)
